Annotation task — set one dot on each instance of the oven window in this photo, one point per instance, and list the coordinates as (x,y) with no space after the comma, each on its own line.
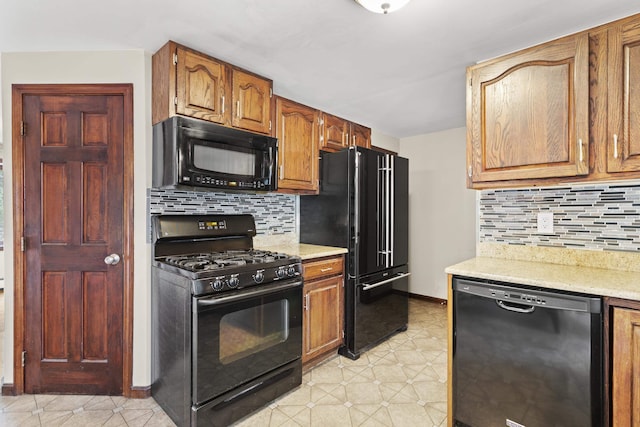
(252,330)
(221,160)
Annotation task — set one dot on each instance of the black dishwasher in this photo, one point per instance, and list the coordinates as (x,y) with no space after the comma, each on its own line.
(525,356)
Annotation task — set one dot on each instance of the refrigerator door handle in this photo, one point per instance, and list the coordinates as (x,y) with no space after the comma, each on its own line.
(368,286)
(392,209)
(356,189)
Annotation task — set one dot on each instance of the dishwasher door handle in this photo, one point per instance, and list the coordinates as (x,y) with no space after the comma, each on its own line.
(504,306)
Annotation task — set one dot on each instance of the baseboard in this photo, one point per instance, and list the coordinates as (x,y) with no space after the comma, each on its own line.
(8,390)
(428,299)
(139,392)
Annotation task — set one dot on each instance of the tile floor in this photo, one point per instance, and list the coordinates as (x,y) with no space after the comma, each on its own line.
(401,382)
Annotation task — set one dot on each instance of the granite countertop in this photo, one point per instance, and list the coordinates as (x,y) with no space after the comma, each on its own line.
(577,278)
(303,250)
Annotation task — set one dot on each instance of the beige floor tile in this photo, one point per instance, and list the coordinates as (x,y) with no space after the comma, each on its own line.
(55,418)
(408,414)
(329,416)
(67,403)
(363,393)
(21,419)
(88,419)
(116,420)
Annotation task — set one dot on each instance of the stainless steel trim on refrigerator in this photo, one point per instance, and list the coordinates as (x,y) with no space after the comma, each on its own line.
(392,209)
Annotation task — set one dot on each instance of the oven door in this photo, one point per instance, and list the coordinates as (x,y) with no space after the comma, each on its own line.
(241,335)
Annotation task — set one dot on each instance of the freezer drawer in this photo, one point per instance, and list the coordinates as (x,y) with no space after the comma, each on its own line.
(525,357)
(381,308)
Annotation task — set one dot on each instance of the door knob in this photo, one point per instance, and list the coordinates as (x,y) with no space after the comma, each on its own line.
(112,259)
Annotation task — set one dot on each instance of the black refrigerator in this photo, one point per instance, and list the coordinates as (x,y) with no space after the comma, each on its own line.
(363,206)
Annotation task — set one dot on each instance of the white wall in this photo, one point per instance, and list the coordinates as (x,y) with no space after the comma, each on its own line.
(88,67)
(442,211)
(380,140)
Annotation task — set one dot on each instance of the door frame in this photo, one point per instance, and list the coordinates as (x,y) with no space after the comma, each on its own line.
(18,91)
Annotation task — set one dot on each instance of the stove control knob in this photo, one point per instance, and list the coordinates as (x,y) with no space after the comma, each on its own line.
(259,276)
(234,281)
(217,284)
(281,272)
(291,271)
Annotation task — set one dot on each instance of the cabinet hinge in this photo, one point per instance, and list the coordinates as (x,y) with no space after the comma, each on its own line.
(175,59)
(24,358)
(22,245)
(175,100)
(23,128)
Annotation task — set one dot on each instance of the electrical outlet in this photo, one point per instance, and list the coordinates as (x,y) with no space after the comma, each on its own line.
(545,222)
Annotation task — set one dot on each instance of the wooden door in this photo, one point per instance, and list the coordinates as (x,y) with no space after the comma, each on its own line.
(626,368)
(74,217)
(527,113)
(297,130)
(201,86)
(335,133)
(360,136)
(251,97)
(322,317)
(623,141)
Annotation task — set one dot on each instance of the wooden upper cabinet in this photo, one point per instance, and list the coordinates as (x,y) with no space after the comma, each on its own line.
(623,140)
(251,101)
(528,113)
(200,86)
(298,132)
(335,133)
(190,83)
(360,136)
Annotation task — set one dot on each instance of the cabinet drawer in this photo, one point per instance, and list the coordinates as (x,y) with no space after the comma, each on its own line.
(324,267)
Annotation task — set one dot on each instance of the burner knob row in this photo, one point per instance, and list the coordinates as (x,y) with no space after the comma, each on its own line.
(219,282)
(283,271)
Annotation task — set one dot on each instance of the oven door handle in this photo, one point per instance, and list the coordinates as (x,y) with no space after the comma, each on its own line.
(368,286)
(216,300)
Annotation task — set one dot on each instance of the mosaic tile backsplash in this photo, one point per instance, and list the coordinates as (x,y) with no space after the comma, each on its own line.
(273,213)
(595,217)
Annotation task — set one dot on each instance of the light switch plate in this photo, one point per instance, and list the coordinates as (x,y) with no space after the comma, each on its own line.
(545,222)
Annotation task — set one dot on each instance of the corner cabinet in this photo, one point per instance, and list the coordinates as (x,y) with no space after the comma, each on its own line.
(338,134)
(528,114)
(297,128)
(190,83)
(623,140)
(625,361)
(322,331)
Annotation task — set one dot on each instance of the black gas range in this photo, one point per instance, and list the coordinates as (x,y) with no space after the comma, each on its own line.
(226,319)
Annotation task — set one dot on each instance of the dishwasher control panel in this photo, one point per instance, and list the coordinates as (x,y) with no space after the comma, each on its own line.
(518,297)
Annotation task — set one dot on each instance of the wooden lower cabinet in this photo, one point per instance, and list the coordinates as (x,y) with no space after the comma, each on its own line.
(322,331)
(625,361)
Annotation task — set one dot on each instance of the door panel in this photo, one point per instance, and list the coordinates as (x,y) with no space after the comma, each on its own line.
(73,218)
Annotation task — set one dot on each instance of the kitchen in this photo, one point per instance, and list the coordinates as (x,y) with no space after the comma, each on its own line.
(453,226)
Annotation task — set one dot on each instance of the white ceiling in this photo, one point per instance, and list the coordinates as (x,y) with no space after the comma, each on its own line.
(401,74)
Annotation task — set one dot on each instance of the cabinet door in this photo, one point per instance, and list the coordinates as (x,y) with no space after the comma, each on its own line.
(297,130)
(322,317)
(335,133)
(626,367)
(200,86)
(623,141)
(360,135)
(527,113)
(251,108)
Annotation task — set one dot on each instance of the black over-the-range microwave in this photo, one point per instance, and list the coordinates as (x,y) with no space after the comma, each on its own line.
(190,152)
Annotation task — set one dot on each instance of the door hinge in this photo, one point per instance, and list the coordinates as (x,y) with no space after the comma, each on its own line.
(23,128)
(24,358)
(175,100)
(175,59)
(22,245)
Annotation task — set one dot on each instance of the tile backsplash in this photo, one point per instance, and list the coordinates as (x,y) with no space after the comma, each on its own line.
(274,214)
(595,217)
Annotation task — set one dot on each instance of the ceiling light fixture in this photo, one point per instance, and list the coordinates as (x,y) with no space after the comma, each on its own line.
(382,6)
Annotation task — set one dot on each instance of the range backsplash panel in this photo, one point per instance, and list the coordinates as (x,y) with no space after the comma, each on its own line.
(273,213)
(595,217)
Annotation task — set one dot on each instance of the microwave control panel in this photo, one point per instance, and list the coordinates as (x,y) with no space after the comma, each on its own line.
(208,181)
